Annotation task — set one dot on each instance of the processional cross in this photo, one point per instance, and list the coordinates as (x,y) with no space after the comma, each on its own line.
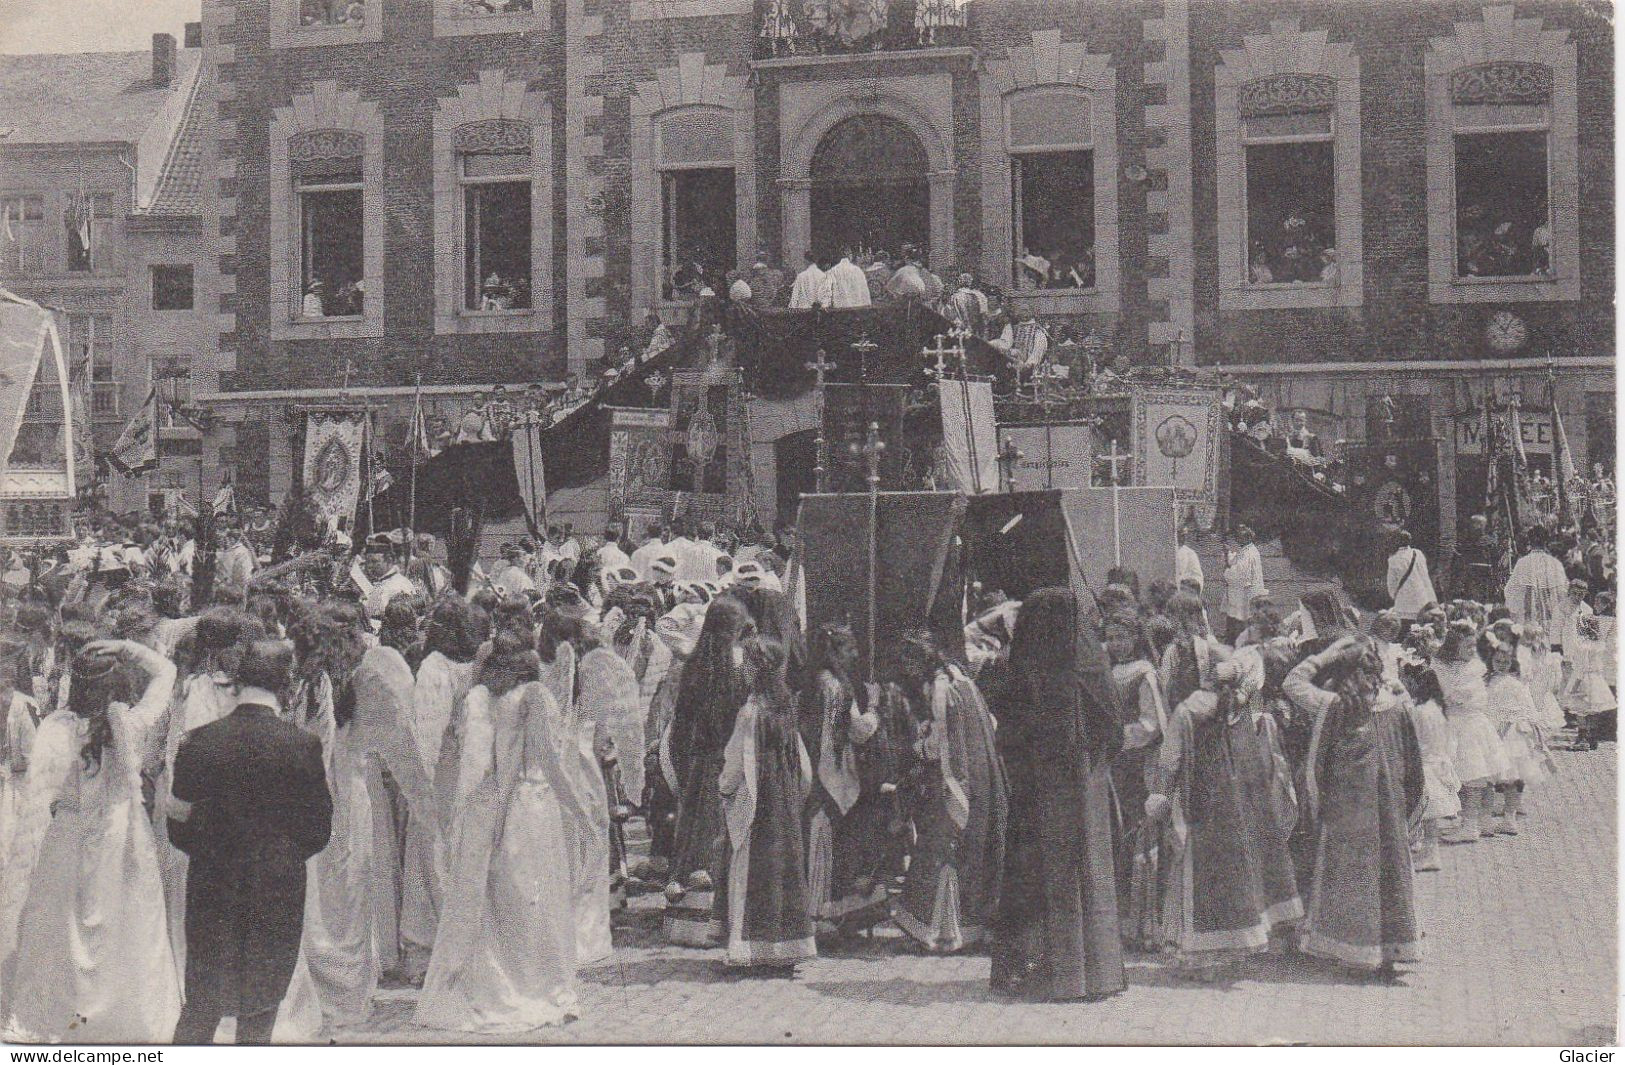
(1115,459)
(871,450)
(820,366)
(940,370)
(1010,458)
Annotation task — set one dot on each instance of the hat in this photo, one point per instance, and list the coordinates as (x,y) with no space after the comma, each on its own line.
(665,565)
(748,573)
(965,279)
(695,592)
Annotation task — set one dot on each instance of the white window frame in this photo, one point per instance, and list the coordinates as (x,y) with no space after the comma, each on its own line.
(1048,63)
(300,191)
(1288,50)
(465,184)
(1329,137)
(286,31)
(665,261)
(1501,37)
(1056,148)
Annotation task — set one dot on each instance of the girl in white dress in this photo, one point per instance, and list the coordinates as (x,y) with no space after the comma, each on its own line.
(1542,669)
(1512,708)
(1441,791)
(338,942)
(22,716)
(84,945)
(1586,693)
(504,956)
(1480,760)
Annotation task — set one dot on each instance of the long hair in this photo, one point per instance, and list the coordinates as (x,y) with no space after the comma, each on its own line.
(831,647)
(775,617)
(97,683)
(511,663)
(456,629)
(712,687)
(765,662)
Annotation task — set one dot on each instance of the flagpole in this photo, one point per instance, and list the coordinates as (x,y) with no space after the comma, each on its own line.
(412,491)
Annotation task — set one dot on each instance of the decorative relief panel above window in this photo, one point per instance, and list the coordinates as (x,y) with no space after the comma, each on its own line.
(313,23)
(1287,94)
(1502,162)
(462,18)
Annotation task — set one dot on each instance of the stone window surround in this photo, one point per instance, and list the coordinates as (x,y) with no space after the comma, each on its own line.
(922,102)
(1287,49)
(286,32)
(491,99)
(450,22)
(1500,37)
(691,83)
(1047,64)
(325,107)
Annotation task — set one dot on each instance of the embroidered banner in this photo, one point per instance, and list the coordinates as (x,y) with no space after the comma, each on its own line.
(332,469)
(529,470)
(709,448)
(1052,456)
(1177,442)
(970,439)
(639,460)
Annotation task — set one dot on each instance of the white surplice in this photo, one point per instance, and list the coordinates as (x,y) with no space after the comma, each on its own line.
(846,285)
(808,289)
(504,957)
(84,943)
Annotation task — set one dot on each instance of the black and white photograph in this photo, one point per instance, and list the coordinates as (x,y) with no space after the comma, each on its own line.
(808,523)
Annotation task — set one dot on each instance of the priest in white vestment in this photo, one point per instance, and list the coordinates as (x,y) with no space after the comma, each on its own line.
(809,286)
(846,285)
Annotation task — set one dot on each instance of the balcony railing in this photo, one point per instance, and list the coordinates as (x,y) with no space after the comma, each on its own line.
(104,399)
(788,28)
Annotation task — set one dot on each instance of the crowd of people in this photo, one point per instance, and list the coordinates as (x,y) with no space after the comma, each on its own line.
(351,768)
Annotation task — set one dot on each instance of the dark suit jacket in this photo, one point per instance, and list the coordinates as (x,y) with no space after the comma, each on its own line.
(260,809)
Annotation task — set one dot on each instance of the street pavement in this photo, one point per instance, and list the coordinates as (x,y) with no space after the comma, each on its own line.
(1520,949)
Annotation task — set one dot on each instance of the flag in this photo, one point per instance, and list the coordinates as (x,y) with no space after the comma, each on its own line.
(417,434)
(137,448)
(81,213)
(5,218)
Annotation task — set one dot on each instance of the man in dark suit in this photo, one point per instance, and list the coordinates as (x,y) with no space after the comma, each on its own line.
(252,806)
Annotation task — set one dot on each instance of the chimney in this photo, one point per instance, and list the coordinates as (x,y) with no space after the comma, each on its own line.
(163,60)
(194,35)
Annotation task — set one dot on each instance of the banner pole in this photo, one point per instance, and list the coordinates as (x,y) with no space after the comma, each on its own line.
(418,432)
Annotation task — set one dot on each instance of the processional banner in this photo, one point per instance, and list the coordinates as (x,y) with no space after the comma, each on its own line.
(334,440)
(1052,456)
(1129,527)
(1178,438)
(709,447)
(970,438)
(849,410)
(639,460)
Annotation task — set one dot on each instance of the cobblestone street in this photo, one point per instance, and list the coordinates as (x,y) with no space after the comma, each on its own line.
(1520,950)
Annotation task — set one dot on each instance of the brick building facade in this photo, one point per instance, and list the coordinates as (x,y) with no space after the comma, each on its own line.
(1296,191)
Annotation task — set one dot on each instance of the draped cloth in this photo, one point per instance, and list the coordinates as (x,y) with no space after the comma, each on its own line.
(338,943)
(504,956)
(960,816)
(586,824)
(437,695)
(84,944)
(762,902)
(397,783)
(849,815)
(1056,935)
(1368,772)
(1231,876)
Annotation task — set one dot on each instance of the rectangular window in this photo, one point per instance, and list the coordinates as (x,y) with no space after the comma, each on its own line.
(496,231)
(1291,224)
(1053,197)
(332,12)
(1599,432)
(700,246)
(1503,219)
(172,288)
(330,241)
(22,235)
